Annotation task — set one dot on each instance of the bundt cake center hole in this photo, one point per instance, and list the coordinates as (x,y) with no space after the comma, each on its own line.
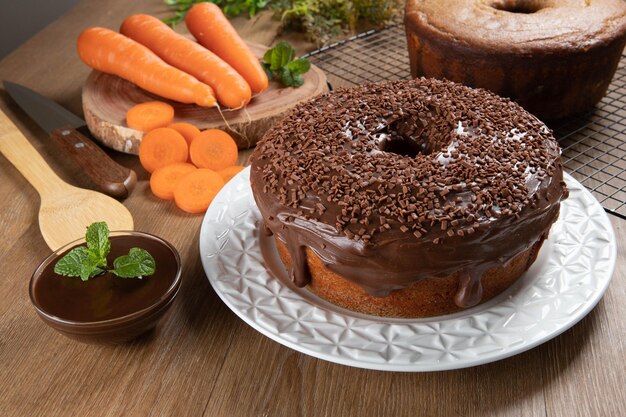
(404,137)
(404,146)
(519,6)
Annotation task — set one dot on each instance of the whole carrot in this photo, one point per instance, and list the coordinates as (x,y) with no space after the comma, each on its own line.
(231,90)
(211,28)
(110,52)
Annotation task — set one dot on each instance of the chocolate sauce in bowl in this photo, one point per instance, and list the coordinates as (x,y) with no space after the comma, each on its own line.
(106,296)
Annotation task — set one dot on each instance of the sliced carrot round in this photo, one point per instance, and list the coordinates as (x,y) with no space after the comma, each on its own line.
(228,173)
(161,147)
(149,115)
(213,149)
(195,191)
(164,180)
(188,130)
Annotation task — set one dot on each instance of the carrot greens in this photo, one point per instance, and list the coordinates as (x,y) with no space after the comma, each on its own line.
(320,20)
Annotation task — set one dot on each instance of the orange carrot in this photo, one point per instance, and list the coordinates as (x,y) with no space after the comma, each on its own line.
(164,180)
(213,149)
(149,115)
(195,191)
(228,173)
(208,24)
(161,147)
(188,130)
(230,88)
(110,52)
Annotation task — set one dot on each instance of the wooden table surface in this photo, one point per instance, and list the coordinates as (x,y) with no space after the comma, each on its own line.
(203,360)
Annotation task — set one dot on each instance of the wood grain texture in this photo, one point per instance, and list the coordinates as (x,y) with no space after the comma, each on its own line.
(202,360)
(65,211)
(107,98)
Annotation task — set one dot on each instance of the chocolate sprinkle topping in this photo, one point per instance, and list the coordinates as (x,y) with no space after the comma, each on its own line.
(429,160)
(400,150)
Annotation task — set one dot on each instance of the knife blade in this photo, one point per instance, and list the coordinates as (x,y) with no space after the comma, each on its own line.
(71,134)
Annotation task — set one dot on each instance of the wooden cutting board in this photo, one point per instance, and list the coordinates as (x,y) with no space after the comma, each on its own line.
(107,98)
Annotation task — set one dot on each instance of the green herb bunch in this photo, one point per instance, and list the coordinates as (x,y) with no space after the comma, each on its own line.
(88,262)
(321,20)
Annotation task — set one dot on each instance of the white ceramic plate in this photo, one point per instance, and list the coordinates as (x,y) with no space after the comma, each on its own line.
(568,279)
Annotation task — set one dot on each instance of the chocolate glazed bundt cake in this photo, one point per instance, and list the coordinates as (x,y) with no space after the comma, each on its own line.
(408,198)
(554,57)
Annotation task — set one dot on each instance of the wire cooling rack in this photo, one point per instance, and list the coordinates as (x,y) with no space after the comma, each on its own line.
(593,144)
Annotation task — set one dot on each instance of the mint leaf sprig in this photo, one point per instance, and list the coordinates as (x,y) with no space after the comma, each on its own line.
(88,262)
(279,64)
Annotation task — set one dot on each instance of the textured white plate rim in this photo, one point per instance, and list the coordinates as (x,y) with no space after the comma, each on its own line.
(242,182)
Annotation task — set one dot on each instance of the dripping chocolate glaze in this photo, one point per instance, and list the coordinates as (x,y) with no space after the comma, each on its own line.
(395,182)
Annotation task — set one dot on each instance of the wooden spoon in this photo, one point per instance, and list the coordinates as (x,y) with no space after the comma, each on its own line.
(65,210)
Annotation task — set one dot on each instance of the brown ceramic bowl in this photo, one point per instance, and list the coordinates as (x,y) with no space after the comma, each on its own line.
(106,308)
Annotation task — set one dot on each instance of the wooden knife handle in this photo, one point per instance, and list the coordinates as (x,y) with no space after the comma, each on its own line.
(110,177)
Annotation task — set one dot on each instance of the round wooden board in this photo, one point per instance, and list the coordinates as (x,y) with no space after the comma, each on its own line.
(107,98)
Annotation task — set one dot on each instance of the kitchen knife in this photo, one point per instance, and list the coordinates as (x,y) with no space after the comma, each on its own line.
(71,134)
